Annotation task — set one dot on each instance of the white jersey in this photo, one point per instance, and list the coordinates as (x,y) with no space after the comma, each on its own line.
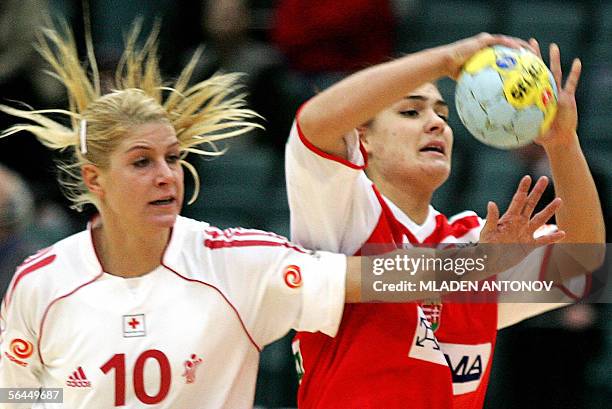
(186,335)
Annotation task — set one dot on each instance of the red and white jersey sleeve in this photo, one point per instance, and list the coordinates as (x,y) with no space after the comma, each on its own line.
(275,284)
(533,268)
(331,199)
(18,334)
(187,334)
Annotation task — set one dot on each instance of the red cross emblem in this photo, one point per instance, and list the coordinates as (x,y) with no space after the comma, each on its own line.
(134,325)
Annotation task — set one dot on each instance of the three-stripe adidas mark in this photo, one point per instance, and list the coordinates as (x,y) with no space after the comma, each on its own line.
(78,379)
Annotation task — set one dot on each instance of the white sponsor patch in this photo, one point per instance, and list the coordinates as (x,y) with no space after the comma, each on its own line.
(425,346)
(468,364)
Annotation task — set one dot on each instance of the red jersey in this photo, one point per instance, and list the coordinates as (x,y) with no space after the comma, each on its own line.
(389,355)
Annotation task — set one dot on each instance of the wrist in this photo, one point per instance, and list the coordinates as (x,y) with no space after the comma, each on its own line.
(561,143)
(444,61)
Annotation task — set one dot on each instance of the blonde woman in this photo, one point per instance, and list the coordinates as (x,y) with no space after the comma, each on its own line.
(146,307)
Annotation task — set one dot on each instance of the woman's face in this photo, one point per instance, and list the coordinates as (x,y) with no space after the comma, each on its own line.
(411,140)
(143,185)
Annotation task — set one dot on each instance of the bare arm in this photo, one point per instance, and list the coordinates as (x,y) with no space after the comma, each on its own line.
(581,216)
(327,117)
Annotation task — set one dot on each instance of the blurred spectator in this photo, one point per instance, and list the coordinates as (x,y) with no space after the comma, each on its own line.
(24,228)
(21,69)
(228,43)
(322,41)
(231,46)
(319,36)
(22,79)
(16,212)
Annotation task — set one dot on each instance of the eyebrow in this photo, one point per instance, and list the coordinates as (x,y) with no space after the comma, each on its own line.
(145,147)
(425,99)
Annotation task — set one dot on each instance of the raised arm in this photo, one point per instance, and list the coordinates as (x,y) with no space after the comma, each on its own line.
(328,116)
(581,216)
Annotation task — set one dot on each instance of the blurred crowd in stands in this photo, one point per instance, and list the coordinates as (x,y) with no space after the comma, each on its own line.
(288,50)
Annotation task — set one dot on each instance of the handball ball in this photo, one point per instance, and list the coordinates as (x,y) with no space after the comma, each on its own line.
(506,97)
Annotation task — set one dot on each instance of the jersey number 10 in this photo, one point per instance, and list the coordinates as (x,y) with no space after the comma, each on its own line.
(117,362)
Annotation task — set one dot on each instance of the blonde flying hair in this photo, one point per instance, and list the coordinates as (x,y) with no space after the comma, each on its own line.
(203,113)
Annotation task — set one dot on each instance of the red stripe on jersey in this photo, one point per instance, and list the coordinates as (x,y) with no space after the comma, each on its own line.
(30,269)
(222,244)
(544,264)
(564,289)
(37,255)
(42,322)
(458,228)
(246,331)
(240,232)
(587,289)
(324,154)
(567,292)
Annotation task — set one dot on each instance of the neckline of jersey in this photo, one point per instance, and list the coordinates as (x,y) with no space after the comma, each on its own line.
(92,259)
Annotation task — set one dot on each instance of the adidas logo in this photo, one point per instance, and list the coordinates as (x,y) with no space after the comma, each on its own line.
(78,379)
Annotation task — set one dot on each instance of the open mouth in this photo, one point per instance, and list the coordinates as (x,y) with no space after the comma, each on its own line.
(162,202)
(434,146)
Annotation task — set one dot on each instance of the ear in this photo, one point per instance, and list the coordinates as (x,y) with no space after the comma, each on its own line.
(362,130)
(93,179)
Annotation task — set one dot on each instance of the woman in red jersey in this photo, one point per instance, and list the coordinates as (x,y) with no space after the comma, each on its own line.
(363,160)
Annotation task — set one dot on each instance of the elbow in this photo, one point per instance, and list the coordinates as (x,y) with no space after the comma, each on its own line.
(599,255)
(590,256)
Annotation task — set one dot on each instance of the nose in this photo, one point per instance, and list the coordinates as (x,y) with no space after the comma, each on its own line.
(165,175)
(435,124)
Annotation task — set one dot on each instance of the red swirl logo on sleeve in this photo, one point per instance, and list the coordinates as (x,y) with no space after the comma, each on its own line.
(21,349)
(293,276)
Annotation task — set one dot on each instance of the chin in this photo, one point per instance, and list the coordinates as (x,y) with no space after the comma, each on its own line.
(162,221)
(437,170)
(435,175)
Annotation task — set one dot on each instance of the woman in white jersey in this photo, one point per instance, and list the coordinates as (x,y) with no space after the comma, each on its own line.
(363,160)
(146,307)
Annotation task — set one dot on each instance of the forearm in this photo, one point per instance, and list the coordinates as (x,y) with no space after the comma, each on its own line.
(357,99)
(580,216)
(327,117)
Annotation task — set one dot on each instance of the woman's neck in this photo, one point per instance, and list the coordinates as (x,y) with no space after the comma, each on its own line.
(412,198)
(128,253)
